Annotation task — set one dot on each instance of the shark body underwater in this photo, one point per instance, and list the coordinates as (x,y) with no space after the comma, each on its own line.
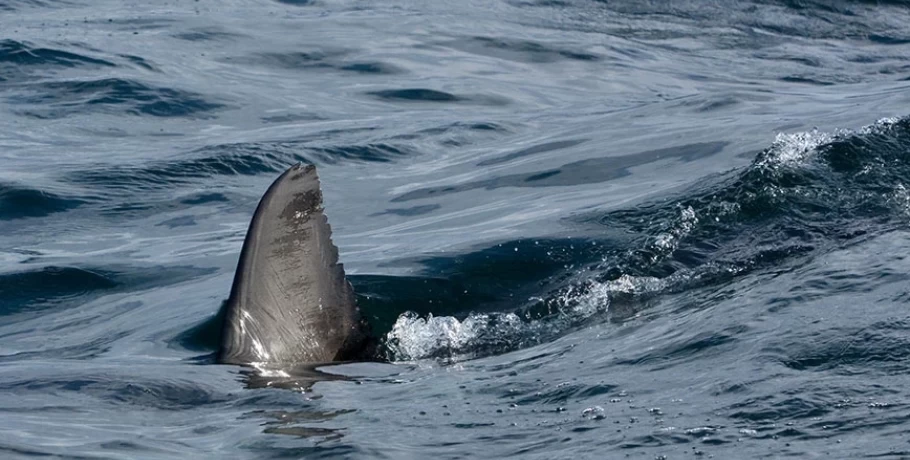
(290,303)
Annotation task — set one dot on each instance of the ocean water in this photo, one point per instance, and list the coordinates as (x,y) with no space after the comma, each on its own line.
(582,229)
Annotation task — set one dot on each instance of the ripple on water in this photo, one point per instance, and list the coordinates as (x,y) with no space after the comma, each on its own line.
(687,349)
(318,60)
(534,150)
(207,34)
(165,393)
(520,50)
(417,95)
(595,170)
(881,348)
(241,159)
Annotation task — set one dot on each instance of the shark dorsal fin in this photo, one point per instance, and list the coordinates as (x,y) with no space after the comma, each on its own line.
(290,302)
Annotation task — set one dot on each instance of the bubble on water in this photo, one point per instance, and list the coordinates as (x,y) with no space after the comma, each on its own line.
(594,413)
(700,431)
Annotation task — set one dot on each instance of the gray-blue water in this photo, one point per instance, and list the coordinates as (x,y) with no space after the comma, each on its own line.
(583,229)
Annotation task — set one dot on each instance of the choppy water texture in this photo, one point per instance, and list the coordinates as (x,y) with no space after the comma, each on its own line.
(584,229)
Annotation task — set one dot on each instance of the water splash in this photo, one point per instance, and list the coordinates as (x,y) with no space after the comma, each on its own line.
(447,337)
(791,149)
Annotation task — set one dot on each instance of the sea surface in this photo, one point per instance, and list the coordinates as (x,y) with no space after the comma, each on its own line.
(582,229)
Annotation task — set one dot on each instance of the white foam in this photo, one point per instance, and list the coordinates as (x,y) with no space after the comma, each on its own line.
(667,242)
(901,197)
(791,149)
(882,124)
(414,338)
(636,284)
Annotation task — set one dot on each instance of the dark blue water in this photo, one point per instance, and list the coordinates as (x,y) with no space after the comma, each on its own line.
(583,229)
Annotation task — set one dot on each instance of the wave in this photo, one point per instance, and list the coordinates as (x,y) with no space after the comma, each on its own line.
(18,202)
(54,287)
(318,60)
(427,95)
(26,54)
(25,62)
(417,95)
(24,290)
(58,99)
(118,387)
(805,194)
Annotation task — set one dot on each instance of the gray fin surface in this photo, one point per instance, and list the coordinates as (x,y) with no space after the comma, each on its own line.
(290,302)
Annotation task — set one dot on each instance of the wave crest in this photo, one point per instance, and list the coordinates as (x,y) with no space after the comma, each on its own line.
(806,192)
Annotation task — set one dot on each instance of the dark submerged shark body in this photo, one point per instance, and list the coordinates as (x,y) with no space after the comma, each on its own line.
(290,304)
